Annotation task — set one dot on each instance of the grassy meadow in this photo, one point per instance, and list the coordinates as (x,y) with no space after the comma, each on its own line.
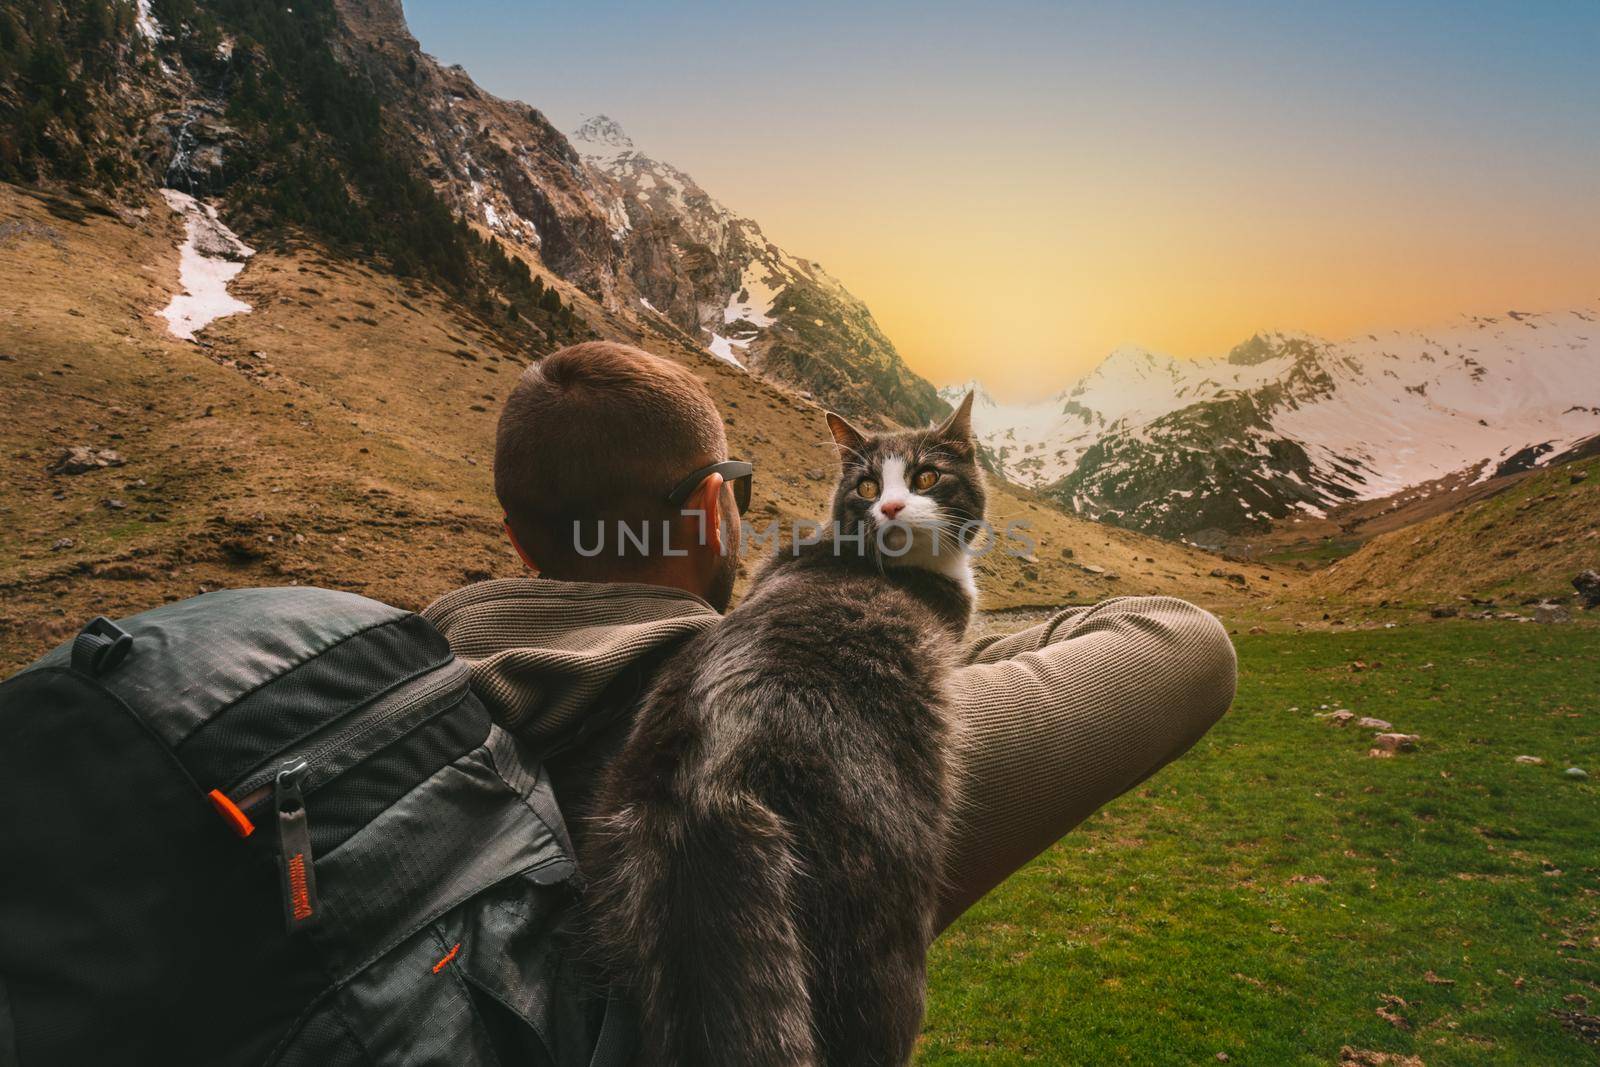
(1278,896)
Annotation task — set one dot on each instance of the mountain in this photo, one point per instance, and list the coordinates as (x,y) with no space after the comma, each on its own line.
(1290,425)
(715,275)
(639,236)
(325,119)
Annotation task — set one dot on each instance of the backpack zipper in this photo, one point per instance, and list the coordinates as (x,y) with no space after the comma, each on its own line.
(321,757)
(328,756)
(296,865)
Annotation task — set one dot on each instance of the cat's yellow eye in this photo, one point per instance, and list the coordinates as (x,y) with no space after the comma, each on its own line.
(925,479)
(867,488)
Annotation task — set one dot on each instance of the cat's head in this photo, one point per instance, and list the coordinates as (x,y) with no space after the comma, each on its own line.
(916,494)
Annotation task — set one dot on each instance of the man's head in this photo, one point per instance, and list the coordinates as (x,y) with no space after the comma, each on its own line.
(593,439)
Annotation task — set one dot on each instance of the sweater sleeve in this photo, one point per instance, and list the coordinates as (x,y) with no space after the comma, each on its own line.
(1063,717)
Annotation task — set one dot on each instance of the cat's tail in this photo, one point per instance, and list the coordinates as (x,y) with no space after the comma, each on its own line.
(695,909)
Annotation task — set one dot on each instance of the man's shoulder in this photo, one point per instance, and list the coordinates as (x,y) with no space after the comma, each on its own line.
(486,617)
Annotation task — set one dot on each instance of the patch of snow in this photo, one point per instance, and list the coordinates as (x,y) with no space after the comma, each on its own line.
(600,136)
(145,22)
(759,296)
(210,257)
(491,216)
(722,347)
(649,305)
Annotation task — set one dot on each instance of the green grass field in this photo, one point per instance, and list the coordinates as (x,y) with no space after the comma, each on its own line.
(1264,896)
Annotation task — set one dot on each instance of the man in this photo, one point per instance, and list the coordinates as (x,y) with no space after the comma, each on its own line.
(1057,719)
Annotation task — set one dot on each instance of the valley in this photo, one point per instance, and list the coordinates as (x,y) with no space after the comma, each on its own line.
(303,388)
(268,272)
(281,445)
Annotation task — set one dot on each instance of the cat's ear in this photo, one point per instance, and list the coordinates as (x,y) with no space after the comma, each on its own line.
(958,427)
(848,438)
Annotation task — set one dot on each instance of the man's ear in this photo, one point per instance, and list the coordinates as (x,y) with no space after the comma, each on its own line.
(522,553)
(847,437)
(958,427)
(707,499)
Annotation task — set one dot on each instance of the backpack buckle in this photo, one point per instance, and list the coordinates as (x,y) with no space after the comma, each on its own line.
(100,646)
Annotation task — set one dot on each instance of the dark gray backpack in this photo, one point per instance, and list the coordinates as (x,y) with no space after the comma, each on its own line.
(276,826)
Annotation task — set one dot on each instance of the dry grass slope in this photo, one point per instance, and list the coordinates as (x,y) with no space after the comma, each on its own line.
(1526,542)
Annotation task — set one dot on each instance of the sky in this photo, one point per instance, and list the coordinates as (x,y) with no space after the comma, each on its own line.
(1015,189)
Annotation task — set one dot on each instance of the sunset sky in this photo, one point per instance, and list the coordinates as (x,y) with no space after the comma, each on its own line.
(1017,188)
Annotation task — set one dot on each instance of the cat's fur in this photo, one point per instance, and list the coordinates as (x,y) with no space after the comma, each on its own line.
(768,845)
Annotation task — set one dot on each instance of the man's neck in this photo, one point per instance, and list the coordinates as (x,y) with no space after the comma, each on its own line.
(668,577)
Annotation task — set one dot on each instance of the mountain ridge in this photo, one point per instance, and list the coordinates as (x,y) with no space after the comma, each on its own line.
(1288,423)
(325,119)
(637,234)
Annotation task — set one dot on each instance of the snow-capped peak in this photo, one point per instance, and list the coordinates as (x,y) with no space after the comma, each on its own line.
(599,135)
(954,394)
(1306,421)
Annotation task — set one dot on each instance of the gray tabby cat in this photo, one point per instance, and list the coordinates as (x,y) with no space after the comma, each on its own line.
(768,844)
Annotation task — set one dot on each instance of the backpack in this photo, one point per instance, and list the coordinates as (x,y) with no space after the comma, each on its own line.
(275,826)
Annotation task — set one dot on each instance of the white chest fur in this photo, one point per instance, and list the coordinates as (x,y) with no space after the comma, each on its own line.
(934,545)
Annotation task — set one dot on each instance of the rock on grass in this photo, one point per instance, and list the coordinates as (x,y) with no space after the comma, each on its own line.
(80,459)
(1386,745)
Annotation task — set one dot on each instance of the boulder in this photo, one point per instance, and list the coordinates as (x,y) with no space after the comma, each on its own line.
(80,459)
(1337,718)
(1386,745)
(1577,774)
(1368,722)
(1551,613)
(1230,576)
(1588,586)
(1532,761)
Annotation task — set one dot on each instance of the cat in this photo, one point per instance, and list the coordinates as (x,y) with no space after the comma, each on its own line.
(768,844)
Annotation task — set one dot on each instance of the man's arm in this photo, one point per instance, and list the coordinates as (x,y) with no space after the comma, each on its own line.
(1063,717)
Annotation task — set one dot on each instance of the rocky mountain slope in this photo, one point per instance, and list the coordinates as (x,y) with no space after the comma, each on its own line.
(639,236)
(716,275)
(325,118)
(1292,425)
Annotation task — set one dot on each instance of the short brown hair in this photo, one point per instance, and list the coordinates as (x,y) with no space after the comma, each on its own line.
(598,432)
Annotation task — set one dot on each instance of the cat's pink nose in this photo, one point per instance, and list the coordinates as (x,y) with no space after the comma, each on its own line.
(891,508)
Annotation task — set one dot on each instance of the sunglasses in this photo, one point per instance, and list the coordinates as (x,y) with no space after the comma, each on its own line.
(736,472)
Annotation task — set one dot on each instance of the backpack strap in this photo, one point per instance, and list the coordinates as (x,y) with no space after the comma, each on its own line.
(619,1036)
